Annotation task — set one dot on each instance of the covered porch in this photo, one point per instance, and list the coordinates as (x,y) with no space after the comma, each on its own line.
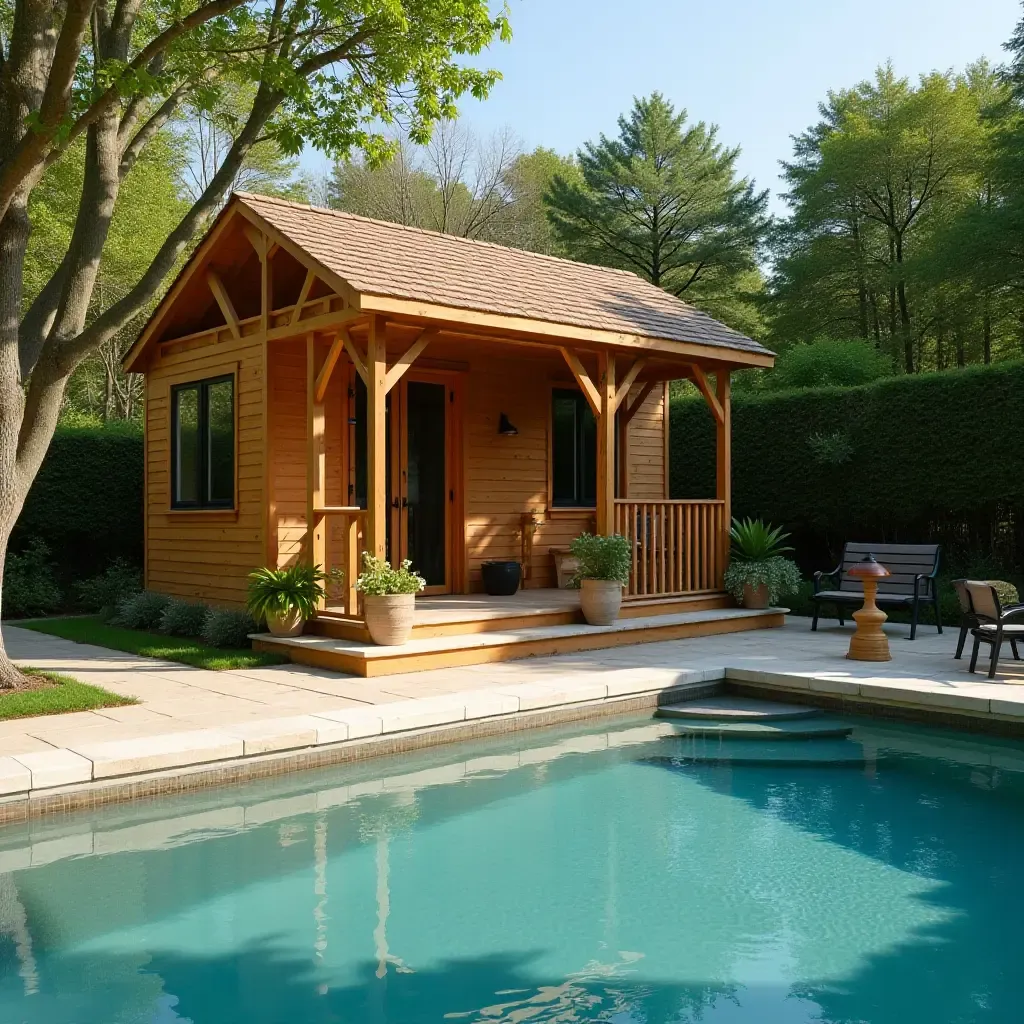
(452,448)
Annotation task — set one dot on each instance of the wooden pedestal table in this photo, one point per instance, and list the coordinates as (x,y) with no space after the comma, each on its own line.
(869,642)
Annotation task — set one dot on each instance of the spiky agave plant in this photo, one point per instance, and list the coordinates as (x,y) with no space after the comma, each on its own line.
(279,591)
(753,540)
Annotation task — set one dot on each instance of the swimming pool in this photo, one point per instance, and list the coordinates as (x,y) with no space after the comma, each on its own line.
(561,876)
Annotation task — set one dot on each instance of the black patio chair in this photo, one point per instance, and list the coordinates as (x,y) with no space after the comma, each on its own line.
(994,623)
(968,620)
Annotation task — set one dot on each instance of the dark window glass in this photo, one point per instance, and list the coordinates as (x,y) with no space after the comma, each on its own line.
(186,438)
(203,437)
(573,451)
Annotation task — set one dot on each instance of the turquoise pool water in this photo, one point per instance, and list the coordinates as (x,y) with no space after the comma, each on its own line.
(561,877)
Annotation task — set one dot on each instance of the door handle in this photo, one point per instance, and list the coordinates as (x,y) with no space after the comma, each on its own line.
(405,503)
(394,503)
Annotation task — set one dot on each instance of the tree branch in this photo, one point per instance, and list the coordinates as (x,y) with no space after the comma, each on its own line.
(34,145)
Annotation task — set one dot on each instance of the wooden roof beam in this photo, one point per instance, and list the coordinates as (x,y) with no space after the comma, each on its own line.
(587,386)
(397,370)
(701,380)
(307,286)
(629,379)
(632,408)
(358,359)
(323,378)
(225,303)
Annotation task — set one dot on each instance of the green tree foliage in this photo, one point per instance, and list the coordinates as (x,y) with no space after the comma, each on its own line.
(663,200)
(459,185)
(897,197)
(333,74)
(894,460)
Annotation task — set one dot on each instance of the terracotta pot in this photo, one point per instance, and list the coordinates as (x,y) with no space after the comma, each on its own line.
(389,618)
(755,597)
(600,601)
(288,623)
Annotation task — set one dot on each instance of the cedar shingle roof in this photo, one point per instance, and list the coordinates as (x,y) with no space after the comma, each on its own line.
(381,258)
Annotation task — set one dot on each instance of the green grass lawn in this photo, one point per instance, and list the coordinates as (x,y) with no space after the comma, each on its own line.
(91,630)
(68,695)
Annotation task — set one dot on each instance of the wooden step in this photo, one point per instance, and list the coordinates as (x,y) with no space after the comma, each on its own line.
(737,709)
(424,653)
(462,622)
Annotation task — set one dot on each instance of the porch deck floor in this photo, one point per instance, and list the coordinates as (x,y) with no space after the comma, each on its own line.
(450,608)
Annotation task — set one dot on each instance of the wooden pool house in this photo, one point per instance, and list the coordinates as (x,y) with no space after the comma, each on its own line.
(320,384)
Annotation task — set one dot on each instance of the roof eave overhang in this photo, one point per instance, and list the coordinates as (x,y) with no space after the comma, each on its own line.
(559,333)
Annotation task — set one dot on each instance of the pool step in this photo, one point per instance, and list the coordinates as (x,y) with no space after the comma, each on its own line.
(799,729)
(738,709)
(820,754)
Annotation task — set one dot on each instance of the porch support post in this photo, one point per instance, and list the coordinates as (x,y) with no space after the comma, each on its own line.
(606,444)
(376,448)
(316,464)
(723,436)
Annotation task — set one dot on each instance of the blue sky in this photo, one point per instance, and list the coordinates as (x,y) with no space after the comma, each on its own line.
(756,68)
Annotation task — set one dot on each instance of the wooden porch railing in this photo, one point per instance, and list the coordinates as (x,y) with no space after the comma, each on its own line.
(678,546)
(353,544)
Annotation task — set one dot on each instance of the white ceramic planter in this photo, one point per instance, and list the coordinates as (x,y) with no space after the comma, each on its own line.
(389,618)
(285,623)
(600,601)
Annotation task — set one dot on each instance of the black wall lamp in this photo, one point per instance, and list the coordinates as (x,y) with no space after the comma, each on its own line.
(505,426)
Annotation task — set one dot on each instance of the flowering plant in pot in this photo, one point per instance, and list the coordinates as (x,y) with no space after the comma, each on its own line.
(285,598)
(604,564)
(389,597)
(759,574)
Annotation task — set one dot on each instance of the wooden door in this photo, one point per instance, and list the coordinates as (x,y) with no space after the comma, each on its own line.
(423,469)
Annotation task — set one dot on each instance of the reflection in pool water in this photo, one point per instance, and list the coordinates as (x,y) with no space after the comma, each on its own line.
(559,877)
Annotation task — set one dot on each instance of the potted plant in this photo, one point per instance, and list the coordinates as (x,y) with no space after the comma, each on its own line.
(603,571)
(389,597)
(758,573)
(285,598)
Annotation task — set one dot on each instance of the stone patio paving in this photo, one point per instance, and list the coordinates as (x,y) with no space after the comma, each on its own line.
(190,715)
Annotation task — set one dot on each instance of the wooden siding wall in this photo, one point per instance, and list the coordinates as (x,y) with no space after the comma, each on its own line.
(506,477)
(209,554)
(287,369)
(647,469)
(205,555)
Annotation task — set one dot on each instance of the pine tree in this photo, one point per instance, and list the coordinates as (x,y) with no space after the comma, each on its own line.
(663,200)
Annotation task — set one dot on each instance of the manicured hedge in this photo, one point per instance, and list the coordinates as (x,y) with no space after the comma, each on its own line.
(936,456)
(86,502)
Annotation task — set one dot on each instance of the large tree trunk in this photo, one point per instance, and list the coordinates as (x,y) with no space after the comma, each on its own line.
(901,294)
(862,284)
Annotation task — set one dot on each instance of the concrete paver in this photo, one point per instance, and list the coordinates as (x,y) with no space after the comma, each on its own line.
(188,715)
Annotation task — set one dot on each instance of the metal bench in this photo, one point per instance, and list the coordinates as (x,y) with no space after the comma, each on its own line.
(914,569)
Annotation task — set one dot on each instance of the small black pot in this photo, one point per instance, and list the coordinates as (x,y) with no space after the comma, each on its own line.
(501,579)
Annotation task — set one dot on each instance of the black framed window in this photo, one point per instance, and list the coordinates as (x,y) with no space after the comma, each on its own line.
(203,443)
(573,451)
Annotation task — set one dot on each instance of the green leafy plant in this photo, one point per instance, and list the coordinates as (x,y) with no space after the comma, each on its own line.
(378,579)
(601,558)
(183,618)
(105,592)
(228,627)
(141,611)
(780,575)
(280,591)
(753,540)
(29,584)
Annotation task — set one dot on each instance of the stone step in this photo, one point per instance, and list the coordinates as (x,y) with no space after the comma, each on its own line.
(797,729)
(738,709)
